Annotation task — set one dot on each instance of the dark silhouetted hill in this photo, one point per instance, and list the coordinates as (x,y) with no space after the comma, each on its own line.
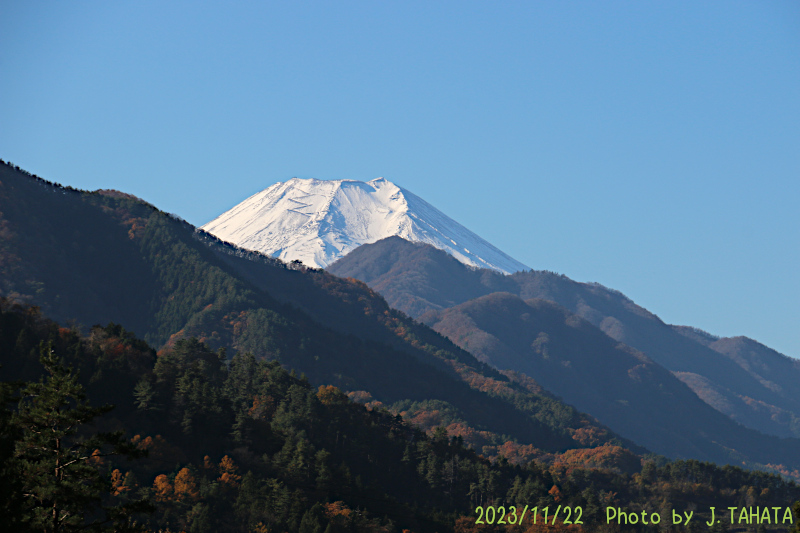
(611,381)
(420,279)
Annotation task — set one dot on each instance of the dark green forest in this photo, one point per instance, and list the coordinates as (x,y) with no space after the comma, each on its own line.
(253,395)
(242,444)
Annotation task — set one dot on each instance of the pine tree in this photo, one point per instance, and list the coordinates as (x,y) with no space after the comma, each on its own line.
(57,462)
(312,520)
(324,477)
(144,393)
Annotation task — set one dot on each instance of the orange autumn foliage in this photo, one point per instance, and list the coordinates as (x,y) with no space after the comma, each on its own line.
(186,486)
(330,395)
(337,509)
(163,488)
(519,453)
(607,457)
(590,436)
(229,472)
(263,407)
(117,483)
(95,459)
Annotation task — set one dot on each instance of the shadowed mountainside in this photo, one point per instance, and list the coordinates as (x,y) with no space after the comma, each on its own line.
(100,257)
(613,382)
(419,279)
(247,446)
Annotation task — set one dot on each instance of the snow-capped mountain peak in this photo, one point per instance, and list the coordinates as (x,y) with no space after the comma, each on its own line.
(319,221)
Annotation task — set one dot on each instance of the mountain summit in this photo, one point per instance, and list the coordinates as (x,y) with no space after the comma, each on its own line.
(319,221)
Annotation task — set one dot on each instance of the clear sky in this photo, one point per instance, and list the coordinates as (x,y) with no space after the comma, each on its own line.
(653,147)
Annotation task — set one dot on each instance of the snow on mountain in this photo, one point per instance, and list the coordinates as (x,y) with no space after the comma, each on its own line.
(319,221)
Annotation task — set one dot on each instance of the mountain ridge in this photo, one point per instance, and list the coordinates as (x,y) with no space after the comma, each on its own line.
(178,285)
(419,279)
(617,384)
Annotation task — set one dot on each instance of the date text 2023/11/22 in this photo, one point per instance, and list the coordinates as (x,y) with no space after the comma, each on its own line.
(512,515)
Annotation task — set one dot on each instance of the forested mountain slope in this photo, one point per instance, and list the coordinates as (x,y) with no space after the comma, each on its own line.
(247,446)
(615,383)
(419,279)
(101,257)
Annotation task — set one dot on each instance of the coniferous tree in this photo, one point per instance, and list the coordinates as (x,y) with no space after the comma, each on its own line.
(57,463)
(312,520)
(144,395)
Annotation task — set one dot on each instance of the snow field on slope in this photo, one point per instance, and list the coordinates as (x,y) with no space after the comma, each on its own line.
(319,221)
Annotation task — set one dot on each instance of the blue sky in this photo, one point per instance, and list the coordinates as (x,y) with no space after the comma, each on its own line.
(653,147)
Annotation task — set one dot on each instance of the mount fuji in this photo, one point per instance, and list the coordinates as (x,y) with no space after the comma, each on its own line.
(320,221)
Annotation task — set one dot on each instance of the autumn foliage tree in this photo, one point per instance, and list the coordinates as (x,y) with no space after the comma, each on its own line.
(186,486)
(229,473)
